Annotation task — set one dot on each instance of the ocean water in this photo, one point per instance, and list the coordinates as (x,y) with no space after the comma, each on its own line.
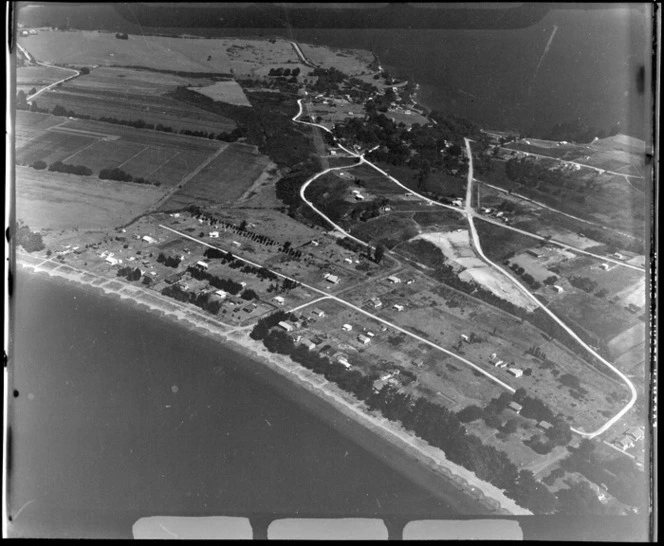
(121,414)
(500,79)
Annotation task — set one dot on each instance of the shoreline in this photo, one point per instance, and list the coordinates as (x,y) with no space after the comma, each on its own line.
(406,453)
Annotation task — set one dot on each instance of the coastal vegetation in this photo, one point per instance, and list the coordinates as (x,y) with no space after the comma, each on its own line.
(31,241)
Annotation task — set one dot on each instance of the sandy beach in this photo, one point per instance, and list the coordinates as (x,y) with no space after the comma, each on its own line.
(421,462)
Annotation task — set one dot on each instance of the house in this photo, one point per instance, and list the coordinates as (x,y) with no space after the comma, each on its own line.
(457,202)
(516,372)
(346,327)
(544,425)
(502,365)
(331,278)
(410,281)
(394,279)
(278,300)
(308,344)
(635,433)
(318,312)
(359,197)
(148,239)
(341,359)
(348,260)
(370,333)
(604,266)
(398,307)
(624,443)
(418,363)
(485,210)
(376,303)
(214,235)
(202,265)
(378,385)
(221,293)
(558,288)
(364,340)
(286,326)
(112,261)
(498,363)
(534,253)
(515,407)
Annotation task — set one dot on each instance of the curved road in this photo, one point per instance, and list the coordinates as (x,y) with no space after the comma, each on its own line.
(50,86)
(476,243)
(470,214)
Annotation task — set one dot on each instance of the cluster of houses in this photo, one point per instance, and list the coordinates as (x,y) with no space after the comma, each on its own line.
(497,363)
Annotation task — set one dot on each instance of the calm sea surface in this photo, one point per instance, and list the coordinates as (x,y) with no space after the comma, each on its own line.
(121,414)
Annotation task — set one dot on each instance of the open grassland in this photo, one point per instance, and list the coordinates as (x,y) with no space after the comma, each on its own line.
(30,125)
(351,62)
(498,243)
(440,218)
(226,91)
(160,52)
(131,106)
(390,229)
(224,180)
(122,80)
(39,76)
(52,201)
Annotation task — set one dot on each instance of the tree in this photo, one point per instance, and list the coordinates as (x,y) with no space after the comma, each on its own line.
(39,165)
(85,70)
(511,426)
(21,99)
(470,413)
(379,252)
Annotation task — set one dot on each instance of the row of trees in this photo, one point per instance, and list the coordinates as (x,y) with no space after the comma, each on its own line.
(205,301)
(122,176)
(131,274)
(60,167)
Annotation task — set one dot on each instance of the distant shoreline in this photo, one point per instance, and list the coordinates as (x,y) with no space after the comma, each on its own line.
(422,464)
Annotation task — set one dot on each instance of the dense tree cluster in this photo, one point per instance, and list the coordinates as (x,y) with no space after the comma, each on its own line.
(60,167)
(207,302)
(620,475)
(39,165)
(122,176)
(131,274)
(228,285)
(31,241)
(583,283)
(169,261)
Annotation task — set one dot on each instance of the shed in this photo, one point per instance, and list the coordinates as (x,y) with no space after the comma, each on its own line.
(515,407)
(279,300)
(318,312)
(394,279)
(346,327)
(202,265)
(363,339)
(544,425)
(148,239)
(516,372)
(214,234)
(398,307)
(558,289)
(332,279)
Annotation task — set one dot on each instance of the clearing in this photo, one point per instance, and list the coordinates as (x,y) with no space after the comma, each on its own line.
(226,91)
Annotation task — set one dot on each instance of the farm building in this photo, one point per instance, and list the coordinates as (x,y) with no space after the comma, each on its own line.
(534,253)
(635,433)
(515,407)
(221,293)
(202,265)
(331,278)
(318,312)
(624,443)
(544,425)
(286,326)
(364,340)
(346,327)
(279,300)
(516,372)
(394,279)
(148,239)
